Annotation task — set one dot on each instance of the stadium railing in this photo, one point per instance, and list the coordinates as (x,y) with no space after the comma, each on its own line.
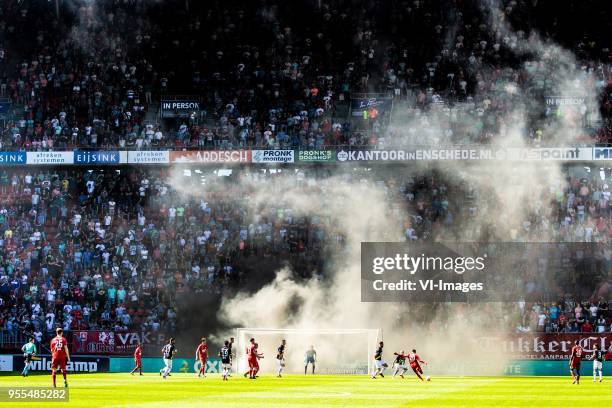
(11,340)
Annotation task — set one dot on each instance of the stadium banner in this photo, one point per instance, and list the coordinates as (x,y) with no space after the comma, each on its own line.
(6,362)
(554,101)
(125,342)
(154,364)
(602,153)
(459,154)
(13,158)
(550,153)
(549,368)
(272,156)
(211,156)
(547,346)
(382,104)
(171,108)
(108,342)
(148,157)
(316,155)
(82,364)
(93,342)
(97,157)
(53,158)
(421,155)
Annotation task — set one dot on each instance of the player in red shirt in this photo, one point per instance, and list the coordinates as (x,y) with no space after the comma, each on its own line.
(202,356)
(575,361)
(252,357)
(137,359)
(414,360)
(59,355)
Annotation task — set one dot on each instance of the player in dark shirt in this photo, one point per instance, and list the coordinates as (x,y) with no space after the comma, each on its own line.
(226,359)
(379,363)
(168,352)
(232,355)
(598,358)
(400,364)
(280,357)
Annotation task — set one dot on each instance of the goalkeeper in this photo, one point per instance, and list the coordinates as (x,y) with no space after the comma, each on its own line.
(310,357)
(29,351)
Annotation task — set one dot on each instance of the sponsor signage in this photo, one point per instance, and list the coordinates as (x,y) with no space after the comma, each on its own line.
(512,154)
(94,157)
(547,346)
(548,368)
(125,343)
(82,364)
(211,156)
(421,154)
(316,155)
(149,157)
(602,153)
(6,362)
(551,153)
(93,342)
(151,365)
(108,342)
(13,158)
(273,156)
(213,365)
(115,157)
(50,158)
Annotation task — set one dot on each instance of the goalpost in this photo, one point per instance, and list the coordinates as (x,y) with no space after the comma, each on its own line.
(341,351)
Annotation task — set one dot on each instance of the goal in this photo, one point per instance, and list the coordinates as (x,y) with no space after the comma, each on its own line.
(340,351)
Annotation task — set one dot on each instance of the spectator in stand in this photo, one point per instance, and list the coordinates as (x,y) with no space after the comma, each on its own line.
(542,319)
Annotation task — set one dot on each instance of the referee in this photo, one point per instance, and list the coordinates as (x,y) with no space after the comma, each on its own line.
(29,351)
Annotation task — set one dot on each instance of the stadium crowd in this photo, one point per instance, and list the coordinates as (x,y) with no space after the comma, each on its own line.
(112,250)
(115,249)
(276,74)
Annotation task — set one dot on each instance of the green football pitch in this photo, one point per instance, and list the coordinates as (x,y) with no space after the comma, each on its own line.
(186,390)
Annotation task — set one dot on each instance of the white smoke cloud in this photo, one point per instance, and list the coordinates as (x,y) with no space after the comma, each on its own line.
(508,199)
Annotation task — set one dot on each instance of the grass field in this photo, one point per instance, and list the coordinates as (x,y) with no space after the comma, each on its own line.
(185,390)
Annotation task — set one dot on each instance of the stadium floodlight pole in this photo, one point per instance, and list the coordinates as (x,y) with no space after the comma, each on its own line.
(374,335)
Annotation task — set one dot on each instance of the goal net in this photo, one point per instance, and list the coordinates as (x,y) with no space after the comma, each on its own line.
(344,351)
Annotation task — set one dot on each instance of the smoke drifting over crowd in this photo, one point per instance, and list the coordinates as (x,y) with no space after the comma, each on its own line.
(355,208)
(360,210)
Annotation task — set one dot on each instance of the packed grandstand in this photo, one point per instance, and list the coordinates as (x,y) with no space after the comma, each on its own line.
(283,75)
(117,249)
(209,88)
